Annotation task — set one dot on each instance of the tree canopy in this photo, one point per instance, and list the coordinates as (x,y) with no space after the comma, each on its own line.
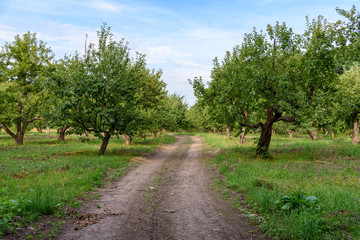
(25,65)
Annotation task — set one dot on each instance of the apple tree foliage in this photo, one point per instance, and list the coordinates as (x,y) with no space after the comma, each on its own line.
(104,92)
(25,65)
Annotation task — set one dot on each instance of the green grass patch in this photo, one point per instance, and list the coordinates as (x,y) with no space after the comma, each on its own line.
(44,175)
(306,190)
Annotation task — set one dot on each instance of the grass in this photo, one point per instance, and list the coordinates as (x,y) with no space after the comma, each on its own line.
(327,169)
(45,176)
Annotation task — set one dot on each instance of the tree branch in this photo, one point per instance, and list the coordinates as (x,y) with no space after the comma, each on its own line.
(246,124)
(34,119)
(286,119)
(8,131)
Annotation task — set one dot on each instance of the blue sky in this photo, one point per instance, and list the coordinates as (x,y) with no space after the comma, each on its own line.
(180,37)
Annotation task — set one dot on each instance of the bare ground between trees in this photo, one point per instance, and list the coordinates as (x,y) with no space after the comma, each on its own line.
(169,196)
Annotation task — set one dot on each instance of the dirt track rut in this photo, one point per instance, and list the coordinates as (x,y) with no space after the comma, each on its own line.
(169,196)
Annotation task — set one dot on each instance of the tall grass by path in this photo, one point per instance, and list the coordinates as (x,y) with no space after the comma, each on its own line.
(44,176)
(326,169)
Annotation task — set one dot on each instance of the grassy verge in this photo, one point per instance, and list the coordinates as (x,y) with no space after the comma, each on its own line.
(45,176)
(307,190)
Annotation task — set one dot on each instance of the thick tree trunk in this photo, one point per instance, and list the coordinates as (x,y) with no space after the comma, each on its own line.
(19,138)
(265,138)
(39,129)
(62,131)
(228,133)
(242,136)
(61,136)
(273,115)
(355,139)
(104,144)
(291,132)
(127,139)
(313,134)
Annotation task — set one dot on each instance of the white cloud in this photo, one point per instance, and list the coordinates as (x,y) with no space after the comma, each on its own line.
(177,81)
(160,54)
(7,33)
(187,64)
(103,5)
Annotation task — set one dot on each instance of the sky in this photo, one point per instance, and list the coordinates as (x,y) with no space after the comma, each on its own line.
(181,37)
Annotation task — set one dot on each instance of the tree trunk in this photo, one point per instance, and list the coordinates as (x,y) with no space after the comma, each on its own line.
(291,132)
(47,128)
(242,136)
(313,134)
(273,132)
(21,125)
(143,136)
(355,139)
(19,138)
(228,131)
(332,133)
(127,139)
(104,144)
(62,131)
(154,134)
(61,136)
(273,115)
(39,129)
(326,132)
(86,134)
(265,138)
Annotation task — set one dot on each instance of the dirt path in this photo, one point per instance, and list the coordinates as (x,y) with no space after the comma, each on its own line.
(169,196)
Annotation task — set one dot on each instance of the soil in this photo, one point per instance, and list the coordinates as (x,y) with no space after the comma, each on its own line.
(169,196)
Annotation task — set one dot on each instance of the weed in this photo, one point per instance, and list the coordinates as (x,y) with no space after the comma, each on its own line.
(297,201)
